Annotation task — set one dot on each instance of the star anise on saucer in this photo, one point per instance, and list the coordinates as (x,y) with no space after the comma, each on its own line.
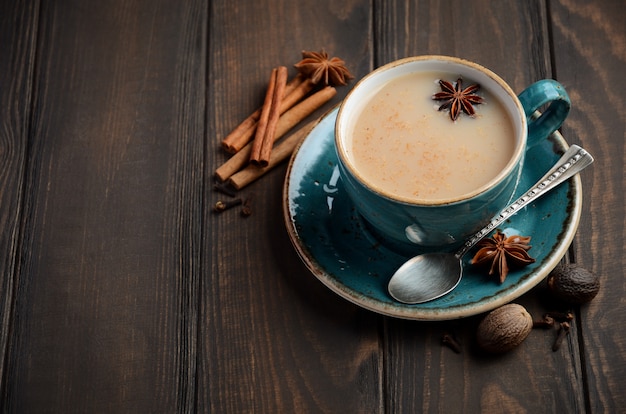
(500,251)
(458,99)
(319,67)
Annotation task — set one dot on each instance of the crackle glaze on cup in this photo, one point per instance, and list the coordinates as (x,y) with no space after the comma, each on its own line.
(444,224)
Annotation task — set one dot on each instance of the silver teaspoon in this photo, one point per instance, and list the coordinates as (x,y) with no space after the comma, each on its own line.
(429,276)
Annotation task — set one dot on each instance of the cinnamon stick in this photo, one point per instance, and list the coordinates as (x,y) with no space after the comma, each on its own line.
(286,122)
(282,151)
(294,83)
(296,94)
(295,90)
(265,111)
(305,108)
(266,127)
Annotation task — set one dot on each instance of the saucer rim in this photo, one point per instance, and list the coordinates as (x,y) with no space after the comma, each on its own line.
(414,312)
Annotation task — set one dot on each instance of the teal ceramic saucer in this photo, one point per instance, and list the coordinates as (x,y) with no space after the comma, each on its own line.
(338,247)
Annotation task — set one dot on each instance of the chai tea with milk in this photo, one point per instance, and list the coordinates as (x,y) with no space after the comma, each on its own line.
(402,143)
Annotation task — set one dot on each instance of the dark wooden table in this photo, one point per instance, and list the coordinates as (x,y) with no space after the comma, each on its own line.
(121,291)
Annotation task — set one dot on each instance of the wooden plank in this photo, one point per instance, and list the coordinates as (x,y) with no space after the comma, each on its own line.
(105,315)
(592,63)
(18,23)
(273,338)
(512,39)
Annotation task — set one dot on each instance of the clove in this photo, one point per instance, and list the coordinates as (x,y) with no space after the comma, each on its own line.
(221,206)
(560,316)
(449,341)
(225,188)
(246,209)
(564,328)
(546,323)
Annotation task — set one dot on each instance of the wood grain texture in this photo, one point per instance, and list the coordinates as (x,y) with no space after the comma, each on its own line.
(590,59)
(18,31)
(106,312)
(273,339)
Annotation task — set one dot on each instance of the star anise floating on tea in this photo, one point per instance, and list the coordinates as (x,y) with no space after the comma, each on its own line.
(458,99)
(500,251)
(319,67)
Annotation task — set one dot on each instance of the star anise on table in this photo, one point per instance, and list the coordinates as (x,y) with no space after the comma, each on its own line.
(500,251)
(458,99)
(319,67)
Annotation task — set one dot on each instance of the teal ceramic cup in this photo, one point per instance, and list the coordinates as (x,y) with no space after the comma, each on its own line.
(443,224)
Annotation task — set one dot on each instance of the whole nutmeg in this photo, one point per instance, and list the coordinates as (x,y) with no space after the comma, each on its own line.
(573,284)
(504,328)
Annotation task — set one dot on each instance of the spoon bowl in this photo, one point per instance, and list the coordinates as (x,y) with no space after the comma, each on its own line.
(426,282)
(432,275)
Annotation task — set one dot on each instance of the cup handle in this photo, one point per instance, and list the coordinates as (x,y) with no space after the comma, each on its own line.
(540,93)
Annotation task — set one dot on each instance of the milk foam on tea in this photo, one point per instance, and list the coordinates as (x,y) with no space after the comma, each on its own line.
(401,143)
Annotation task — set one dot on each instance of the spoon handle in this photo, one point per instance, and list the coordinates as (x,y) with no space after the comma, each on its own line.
(571,163)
